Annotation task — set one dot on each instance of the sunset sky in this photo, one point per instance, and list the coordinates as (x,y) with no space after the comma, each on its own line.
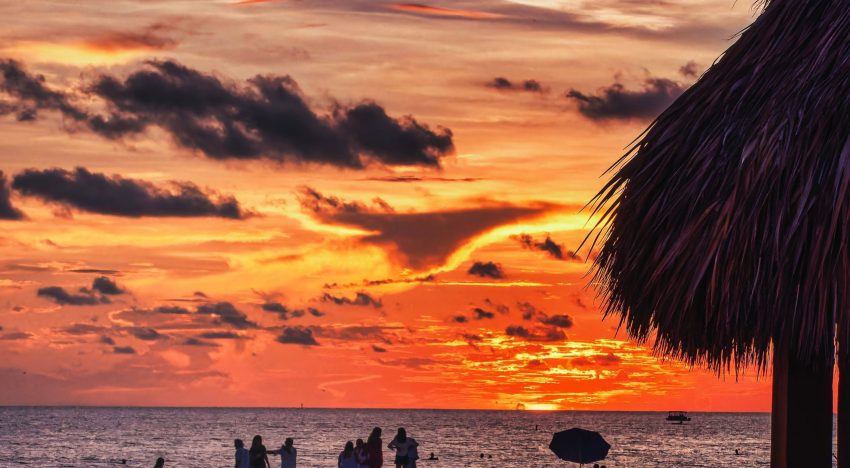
(334,203)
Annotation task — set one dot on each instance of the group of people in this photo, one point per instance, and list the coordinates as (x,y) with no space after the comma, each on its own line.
(361,454)
(258,457)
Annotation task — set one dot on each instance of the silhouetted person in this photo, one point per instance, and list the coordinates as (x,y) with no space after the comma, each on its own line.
(402,444)
(287,454)
(259,456)
(243,458)
(432,457)
(360,454)
(375,449)
(346,458)
(160,462)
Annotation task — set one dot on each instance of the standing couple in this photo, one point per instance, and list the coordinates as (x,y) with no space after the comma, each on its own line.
(370,454)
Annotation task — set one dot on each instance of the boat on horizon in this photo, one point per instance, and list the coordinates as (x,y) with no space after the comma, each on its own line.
(679,417)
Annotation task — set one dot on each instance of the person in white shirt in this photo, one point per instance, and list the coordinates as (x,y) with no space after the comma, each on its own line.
(243,460)
(402,445)
(287,454)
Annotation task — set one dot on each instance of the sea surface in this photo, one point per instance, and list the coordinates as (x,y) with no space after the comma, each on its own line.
(201,437)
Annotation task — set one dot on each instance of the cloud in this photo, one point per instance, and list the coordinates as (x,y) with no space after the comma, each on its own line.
(428,10)
(361,299)
(378,349)
(172,310)
(197,342)
(104,339)
(106,286)
(501,308)
(486,270)
(481,314)
(547,245)
(7,211)
(412,178)
(285,313)
(615,102)
(146,334)
(689,70)
(83,329)
(149,39)
(15,336)
(225,312)
(114,195)
(123,350)
(297,335)
(503,84)
(380,333)
(221,335)
(604,360)
(560,321)
(459,319)
(60,296)
(266,118)
(543,335)
(418,240)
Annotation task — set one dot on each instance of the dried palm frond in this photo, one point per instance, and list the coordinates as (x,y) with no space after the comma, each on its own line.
(726,227)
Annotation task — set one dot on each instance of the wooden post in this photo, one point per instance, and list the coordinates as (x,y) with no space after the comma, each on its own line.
(843,406)
(801,422)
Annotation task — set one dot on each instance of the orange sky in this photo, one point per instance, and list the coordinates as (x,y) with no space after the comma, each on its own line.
(446,135)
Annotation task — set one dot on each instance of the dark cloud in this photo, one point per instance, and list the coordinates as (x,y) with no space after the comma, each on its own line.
(225,312)
(380,333)
(266,118)
(172,310)
(617,102)
(60,296)
(106,286)
(285,313)
(118,196)
(197,342)
(361,299)
(221,335)
(15,336)
(560,321)
(547,245)
(106,340)
(83,329)
(378,349)
(504,84)
(459,319)
(96,271)
(481,314)
(297,335)
(123,350)
(500,308)
(146,334)
(528,310)
(418,240)
(30,94)
(7,211)
(412,178)
(603,360)
(689,70)
(543,335)
(486,270)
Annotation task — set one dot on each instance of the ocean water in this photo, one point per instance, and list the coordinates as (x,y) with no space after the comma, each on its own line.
(201,437)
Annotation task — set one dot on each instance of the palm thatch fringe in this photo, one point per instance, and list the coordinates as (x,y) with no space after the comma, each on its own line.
(726,227)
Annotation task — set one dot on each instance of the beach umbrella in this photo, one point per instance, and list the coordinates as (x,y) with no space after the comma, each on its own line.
(725,229)
(579,446)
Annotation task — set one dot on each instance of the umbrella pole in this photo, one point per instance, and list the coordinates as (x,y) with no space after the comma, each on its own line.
(843,405)
(801,421)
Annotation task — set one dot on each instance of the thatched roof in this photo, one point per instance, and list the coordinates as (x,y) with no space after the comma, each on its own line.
(727,226)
